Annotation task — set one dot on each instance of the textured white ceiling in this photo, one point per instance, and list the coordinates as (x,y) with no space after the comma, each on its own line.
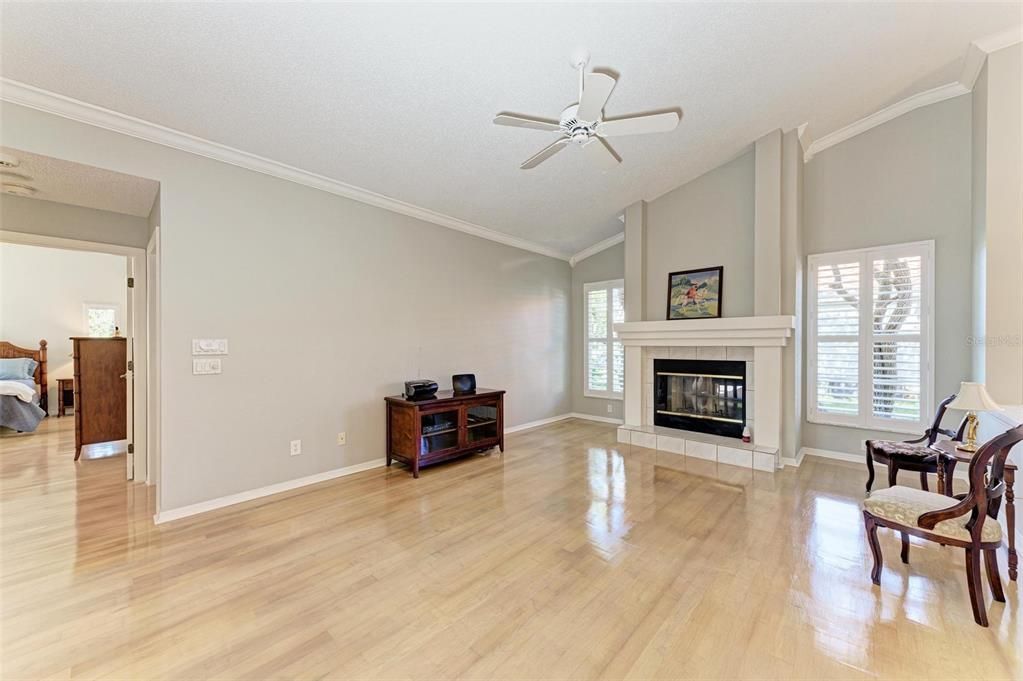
(81,185)
(398,99)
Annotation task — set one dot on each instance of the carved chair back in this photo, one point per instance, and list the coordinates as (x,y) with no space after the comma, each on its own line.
(936,429)
(986,488)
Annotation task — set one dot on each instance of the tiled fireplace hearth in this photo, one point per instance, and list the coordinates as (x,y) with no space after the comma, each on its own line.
(745,356)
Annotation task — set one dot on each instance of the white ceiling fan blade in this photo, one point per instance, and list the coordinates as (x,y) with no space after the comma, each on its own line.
(596,90)
(600,153)
(516,121)
(544,154)
(639,125)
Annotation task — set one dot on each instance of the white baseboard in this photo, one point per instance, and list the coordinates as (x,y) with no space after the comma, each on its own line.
(535,424)
(561,417)
(960,473)
(231,499)
(829,454)
(598,419)
(794,461)
(213,504)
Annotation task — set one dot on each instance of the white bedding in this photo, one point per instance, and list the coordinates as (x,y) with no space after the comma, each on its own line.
(18,389)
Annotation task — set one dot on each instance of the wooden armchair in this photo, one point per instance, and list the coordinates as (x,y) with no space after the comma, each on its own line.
(934,517)
(911,455)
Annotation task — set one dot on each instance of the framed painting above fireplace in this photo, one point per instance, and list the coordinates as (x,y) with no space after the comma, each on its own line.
(695,294)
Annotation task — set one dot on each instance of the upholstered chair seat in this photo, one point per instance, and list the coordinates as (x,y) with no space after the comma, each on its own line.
(905,450)
(904,505)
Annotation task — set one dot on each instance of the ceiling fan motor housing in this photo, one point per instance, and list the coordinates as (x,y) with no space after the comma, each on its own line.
(578,131)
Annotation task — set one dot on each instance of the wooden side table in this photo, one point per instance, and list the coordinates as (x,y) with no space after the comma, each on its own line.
(65,394)
(952,456)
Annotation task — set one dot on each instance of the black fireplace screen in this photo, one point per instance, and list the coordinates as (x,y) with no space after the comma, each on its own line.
(700,395)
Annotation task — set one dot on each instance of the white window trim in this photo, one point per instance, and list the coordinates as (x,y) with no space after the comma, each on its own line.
(865,418)
(99,306)
(608,394)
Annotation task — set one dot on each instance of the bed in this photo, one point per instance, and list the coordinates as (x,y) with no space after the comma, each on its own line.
(15,412)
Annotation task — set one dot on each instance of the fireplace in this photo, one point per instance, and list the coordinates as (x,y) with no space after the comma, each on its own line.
(707,396)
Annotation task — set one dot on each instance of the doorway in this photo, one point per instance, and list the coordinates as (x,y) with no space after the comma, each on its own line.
(61,206)
(84,310)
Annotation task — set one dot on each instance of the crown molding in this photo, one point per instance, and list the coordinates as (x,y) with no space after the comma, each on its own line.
(980,49)
(926,98)
(50,102)
(597,248)
(973,62)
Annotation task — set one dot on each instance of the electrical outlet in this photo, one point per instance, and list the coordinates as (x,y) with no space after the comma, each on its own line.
(342,439)
(610,409)
(296,447)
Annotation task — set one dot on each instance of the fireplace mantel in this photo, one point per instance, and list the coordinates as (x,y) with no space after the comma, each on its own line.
(758,340)
(773,331)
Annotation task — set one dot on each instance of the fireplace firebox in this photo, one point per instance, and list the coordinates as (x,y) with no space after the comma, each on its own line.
(707,396)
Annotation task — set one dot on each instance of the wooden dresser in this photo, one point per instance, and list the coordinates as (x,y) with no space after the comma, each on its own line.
(427,431)
(101,390)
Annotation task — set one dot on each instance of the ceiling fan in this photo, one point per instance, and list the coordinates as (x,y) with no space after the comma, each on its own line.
(583,124)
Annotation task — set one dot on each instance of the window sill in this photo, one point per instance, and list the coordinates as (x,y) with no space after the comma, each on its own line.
(908,429)
(604,396)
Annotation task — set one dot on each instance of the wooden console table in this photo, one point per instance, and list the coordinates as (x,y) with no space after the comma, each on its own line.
(428,431)
(950,456)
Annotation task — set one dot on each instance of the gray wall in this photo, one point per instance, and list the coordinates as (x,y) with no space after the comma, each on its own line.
(609,264)
(906,180)
(34,216)
(704,223)
(329,304)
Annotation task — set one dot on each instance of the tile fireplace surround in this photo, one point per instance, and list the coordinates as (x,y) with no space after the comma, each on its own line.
(759,341)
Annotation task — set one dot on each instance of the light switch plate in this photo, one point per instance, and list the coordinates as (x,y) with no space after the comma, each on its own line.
(209,346)
(206,366)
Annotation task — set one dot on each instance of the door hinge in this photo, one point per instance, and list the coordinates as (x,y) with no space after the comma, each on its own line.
(131,282)
(131,365)
(131,448)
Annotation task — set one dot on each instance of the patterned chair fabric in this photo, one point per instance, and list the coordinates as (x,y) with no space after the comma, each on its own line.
(904,505)
(901,449)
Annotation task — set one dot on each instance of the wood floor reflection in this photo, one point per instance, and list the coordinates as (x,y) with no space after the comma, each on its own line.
(569,557)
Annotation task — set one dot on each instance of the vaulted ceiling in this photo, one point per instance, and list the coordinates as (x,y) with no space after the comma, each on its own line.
(398,99)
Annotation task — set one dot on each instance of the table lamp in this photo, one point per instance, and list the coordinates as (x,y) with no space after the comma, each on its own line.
(972,398)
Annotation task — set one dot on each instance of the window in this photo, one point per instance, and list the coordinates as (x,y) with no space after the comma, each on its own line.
(100,319)
(870,337)
(604,370)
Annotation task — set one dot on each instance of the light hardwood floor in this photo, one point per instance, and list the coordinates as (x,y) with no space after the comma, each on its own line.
(568,557)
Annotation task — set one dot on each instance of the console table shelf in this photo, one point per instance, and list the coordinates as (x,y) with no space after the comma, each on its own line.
(465,423)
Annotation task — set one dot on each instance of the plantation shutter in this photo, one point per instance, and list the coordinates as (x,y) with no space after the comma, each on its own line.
(604,371)
(869,333)
(896,337)
(838,337)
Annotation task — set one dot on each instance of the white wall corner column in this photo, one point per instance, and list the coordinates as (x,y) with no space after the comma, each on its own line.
(792,262)
(767,399)
(767,218)
(759,341)
(1003,318)
(635,262)
(633,412)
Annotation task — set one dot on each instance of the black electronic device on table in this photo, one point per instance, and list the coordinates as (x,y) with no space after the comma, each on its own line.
(420,389)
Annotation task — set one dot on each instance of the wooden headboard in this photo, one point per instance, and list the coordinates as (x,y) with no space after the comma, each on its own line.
(12,351)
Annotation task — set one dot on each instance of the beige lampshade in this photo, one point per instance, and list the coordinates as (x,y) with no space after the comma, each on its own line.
(973,397)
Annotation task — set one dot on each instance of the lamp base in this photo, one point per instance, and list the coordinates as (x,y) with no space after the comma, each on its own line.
(967,447)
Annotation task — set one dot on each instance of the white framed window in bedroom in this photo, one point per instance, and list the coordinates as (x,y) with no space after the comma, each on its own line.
(870,337)
(603,353)
(100,319)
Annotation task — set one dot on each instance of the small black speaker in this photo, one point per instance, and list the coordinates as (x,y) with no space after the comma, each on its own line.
(463,383)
